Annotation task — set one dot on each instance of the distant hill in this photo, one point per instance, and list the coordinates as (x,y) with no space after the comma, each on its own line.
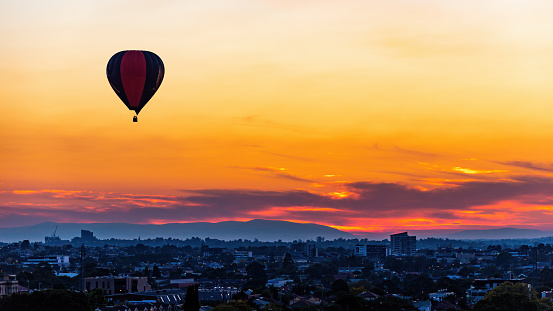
(484,234)
(263,230)
(501,233)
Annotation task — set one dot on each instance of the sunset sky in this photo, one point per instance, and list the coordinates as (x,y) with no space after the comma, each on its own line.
(367,116)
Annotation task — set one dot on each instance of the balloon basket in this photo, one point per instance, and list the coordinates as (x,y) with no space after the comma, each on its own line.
(135,119)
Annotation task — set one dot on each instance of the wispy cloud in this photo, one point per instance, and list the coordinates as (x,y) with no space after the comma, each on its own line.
(261,121)
(415,152)
(530,165)
(275,172)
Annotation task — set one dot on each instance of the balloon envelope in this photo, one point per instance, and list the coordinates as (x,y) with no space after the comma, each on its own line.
(135,76)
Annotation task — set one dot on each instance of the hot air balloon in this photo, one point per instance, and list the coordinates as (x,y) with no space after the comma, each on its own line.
(135,77)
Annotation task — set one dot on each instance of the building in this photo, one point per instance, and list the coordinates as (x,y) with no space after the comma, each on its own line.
(171,298)
(56,261)
(375,252)
(278,282)
(181,283)
(117,285)
(8,285)
(242,255)
(210,251)
(305,249)
(55,241)
(402,244)
(87,237)
(480,287)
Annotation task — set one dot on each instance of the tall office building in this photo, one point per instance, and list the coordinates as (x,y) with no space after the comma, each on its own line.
(402,244)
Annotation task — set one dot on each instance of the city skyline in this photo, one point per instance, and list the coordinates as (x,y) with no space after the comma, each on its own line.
(366,117)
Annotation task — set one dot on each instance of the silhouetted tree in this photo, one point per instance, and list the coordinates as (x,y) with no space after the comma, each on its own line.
(504,260)
(340,287)
(256,275)
(156,273)
(288,266)
(44,276)
(25,244)
(191,299)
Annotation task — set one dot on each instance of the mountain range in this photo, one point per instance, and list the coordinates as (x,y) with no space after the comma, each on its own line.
(263,230)
(500,233)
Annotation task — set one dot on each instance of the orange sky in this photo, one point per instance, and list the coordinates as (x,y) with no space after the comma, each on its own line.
(365,116)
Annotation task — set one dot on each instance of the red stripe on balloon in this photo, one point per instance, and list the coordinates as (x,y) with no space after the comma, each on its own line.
(133,76)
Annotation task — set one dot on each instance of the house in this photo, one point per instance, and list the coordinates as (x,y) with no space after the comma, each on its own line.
(423,305)
(440,295)
(369,296)
(8,285)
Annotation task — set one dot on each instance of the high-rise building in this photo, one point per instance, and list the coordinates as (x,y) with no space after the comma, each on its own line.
(87,235)
(305,249)
(87,238)
(402,244)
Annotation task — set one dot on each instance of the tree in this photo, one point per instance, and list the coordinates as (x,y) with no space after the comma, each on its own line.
(546,277)
(315,270)
(191,300)
(465,272)
(43,276)
(147,272)
(490,271)
(504,260)
(255,270)
(414,285)
(46,300)
(368,268)
(512,297)
(96,298)
(318,270)
(256,275)
(156,273)
(340,287)
(351,302)
(288,266)
(25,277)
(25,244)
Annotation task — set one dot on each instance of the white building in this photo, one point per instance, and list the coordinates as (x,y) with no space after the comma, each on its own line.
(57,260)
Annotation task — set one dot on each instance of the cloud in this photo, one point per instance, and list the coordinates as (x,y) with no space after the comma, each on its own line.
(415,152)
(529,165)
(260,121)
(290,157)
(369,202)
(276,172)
